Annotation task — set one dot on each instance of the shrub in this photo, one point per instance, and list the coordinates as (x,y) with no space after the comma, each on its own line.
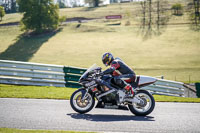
(177,8)
(2,12)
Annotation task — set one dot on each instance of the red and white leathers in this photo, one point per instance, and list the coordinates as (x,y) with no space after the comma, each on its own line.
(123,74)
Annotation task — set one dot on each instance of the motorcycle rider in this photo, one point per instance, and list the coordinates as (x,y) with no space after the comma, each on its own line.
(122,73)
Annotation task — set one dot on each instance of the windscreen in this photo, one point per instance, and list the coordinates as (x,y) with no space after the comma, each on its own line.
(93,67)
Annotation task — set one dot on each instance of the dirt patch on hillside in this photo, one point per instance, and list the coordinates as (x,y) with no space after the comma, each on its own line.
(79,19)
(68,20)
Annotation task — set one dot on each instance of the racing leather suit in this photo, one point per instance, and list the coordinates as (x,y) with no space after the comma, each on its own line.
(122,73)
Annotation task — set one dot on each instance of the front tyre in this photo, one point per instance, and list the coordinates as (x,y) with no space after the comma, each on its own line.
(81,106)
(146,107)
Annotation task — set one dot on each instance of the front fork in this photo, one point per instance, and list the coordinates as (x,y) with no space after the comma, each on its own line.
(84,94)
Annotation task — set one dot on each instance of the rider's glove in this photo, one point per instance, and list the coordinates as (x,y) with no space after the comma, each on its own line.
(101,73)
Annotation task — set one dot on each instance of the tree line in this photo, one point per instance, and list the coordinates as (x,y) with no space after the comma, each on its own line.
(43,15)
(11,6)
(156,13)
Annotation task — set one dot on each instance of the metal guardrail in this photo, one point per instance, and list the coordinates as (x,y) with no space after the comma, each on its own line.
(166,87)
(25,73)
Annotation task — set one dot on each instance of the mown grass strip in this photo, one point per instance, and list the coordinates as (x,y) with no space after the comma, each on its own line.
(44,92)
(161,98)
(38,92)
(12,130)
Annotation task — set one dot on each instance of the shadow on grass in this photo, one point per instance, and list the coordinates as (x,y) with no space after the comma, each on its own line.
(110,118)
(85,28)
(26,46)
(148,28)
(148,33)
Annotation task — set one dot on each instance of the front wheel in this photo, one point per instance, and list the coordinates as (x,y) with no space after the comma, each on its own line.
(146,107)
(81,106)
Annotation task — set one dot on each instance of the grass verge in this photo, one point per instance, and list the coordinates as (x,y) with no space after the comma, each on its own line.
(12,130)
(160,98)
(38,92)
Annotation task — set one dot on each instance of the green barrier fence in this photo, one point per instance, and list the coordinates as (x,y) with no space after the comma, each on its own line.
(198,89)
(72,75)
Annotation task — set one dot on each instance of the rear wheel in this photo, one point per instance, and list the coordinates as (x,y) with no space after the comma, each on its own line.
(81,106)
(147,105)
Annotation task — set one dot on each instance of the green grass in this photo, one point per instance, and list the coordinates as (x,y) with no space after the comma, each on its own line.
(8,36)
(37,92)
(161,98)
(10,18)
(12,130)
(174,54)
(15,91)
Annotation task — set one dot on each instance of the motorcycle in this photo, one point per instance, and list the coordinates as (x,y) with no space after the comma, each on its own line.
(109,95)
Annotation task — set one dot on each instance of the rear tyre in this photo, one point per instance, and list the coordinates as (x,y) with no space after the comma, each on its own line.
(145,108)
(81,106)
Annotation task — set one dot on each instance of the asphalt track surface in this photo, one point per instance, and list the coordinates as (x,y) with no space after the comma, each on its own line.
(58,115)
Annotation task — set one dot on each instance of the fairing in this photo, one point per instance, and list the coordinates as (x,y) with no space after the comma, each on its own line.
(146,80)
(93,67)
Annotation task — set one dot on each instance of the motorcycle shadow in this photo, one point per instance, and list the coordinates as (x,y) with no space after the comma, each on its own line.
(109,118)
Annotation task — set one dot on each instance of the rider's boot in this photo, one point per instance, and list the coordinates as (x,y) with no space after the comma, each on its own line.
(129,88)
